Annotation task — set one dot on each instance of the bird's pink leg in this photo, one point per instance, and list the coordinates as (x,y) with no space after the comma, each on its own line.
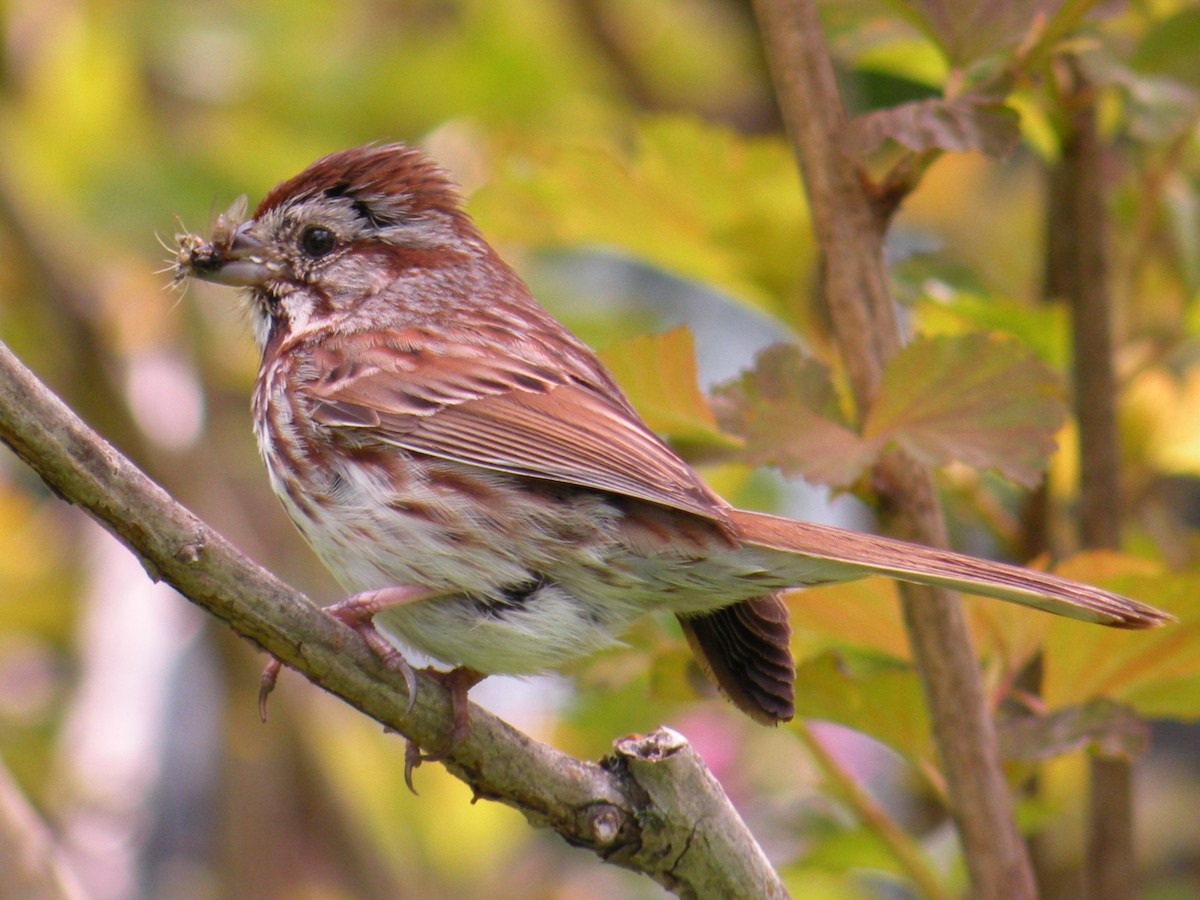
(358,612)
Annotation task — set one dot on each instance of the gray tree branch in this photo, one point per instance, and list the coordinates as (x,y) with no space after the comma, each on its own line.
(619,808)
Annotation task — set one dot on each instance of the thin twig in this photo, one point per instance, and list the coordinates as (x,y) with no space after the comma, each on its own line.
(31,863)
(873,817)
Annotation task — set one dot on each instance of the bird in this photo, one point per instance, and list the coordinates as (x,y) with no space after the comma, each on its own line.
(474,478)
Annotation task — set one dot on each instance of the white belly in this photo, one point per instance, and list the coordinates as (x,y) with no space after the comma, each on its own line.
(393,522)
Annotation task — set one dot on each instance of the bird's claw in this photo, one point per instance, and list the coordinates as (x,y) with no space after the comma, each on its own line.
(266,684)
(457,681)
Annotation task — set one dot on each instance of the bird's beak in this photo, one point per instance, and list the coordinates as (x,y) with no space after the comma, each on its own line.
(238,259)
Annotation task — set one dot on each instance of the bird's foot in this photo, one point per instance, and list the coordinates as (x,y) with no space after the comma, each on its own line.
(358,612)
(458,682)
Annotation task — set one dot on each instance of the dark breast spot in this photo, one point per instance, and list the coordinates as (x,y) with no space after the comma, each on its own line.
(512,598)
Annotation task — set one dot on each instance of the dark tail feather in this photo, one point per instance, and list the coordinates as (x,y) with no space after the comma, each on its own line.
(744,650)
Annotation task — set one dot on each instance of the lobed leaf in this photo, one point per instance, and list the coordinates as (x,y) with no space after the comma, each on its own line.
(966,122)
(975,398)
(968,30)
(744,234)
(788,412)
(1111,729)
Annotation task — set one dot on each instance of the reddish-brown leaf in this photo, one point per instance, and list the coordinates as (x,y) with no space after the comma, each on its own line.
(787,411)
(968,30)
(967,122)
(975,398)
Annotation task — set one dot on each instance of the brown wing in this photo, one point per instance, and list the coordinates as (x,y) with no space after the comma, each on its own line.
(511,415)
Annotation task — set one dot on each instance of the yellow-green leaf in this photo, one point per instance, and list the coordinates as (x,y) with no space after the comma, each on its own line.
(658,374)
(744,233)
(1155,672)
(881,700)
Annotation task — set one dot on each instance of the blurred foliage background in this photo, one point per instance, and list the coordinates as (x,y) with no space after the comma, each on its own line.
(627,158)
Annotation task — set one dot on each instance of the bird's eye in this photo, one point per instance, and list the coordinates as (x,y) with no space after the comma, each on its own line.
(316,241)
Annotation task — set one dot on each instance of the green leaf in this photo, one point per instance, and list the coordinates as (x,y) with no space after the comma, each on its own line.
(967,122)
(853,849)
(1155,672)
(698,201)
(916,66)
(818,885)
(658,374)
(1169,48)
(787,411)
(862,614)
(1041,327)
(883,701)
(975,398)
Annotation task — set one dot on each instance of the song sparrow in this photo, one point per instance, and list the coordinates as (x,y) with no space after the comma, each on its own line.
(472,473)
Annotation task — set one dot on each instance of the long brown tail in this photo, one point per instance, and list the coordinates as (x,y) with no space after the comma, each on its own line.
(822,553)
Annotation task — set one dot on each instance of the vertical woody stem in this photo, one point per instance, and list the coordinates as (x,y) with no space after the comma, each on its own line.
(850,231)
(1077,269)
